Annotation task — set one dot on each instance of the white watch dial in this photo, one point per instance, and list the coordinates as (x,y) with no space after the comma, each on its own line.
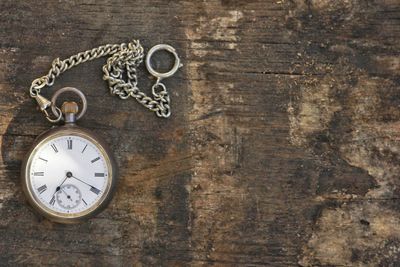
(68,174)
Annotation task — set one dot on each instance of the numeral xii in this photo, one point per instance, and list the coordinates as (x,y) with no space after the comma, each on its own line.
(69,144)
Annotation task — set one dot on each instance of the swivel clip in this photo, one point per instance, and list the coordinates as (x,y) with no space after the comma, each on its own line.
(44,104)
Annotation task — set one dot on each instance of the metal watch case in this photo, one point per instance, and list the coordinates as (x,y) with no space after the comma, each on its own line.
(70,129)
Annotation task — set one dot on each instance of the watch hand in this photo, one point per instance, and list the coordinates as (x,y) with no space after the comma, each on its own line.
(68,196)
(52,200)
(83,182)
(59,187)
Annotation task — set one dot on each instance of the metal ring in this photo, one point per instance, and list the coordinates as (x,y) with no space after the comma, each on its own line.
(163,89)
(69,89)
(59,117)
(165,74)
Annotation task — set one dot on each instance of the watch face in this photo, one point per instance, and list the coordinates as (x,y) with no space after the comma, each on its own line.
(68,175)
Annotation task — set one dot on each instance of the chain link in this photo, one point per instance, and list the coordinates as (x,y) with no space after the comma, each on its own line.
(124,59)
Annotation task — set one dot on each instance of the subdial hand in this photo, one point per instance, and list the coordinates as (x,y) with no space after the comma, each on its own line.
(68,196)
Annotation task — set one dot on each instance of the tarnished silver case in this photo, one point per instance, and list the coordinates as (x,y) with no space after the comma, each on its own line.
(70,129)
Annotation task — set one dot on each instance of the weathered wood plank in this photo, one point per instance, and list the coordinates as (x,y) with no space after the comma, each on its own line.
(282,148)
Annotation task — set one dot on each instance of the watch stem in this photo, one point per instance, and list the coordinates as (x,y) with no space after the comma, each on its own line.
(69,109)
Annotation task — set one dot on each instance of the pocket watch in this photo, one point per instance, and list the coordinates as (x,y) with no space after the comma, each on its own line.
(69,174)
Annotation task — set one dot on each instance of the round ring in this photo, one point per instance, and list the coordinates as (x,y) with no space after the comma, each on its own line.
(170,49)
(55,109)
(163,89)
(59,116)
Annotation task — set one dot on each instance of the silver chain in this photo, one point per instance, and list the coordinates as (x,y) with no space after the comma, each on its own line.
(125,58)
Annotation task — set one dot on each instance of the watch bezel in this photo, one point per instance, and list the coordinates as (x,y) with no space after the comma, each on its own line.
(68,130)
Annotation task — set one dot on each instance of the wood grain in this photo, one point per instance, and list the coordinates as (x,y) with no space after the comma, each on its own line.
(282,150)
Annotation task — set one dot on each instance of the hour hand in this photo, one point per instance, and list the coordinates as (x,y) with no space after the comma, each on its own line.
(58,188)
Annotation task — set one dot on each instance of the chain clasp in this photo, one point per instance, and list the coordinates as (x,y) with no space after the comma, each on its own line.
(44,104)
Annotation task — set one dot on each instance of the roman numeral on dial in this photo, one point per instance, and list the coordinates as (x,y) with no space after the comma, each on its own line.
(69,144)
(99,174)
(96,159)
(52,200)
(43,159)
(95,190)
(42,189)
(54,148)
(38,173)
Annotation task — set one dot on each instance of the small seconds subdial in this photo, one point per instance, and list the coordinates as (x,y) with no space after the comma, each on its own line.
(69,196)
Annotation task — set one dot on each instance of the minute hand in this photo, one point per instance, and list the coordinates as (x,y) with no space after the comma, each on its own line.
(83,181)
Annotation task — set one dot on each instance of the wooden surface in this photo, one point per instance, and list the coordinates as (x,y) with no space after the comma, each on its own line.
(282,150)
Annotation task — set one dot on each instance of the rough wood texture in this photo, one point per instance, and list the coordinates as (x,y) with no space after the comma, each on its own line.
(282,150)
